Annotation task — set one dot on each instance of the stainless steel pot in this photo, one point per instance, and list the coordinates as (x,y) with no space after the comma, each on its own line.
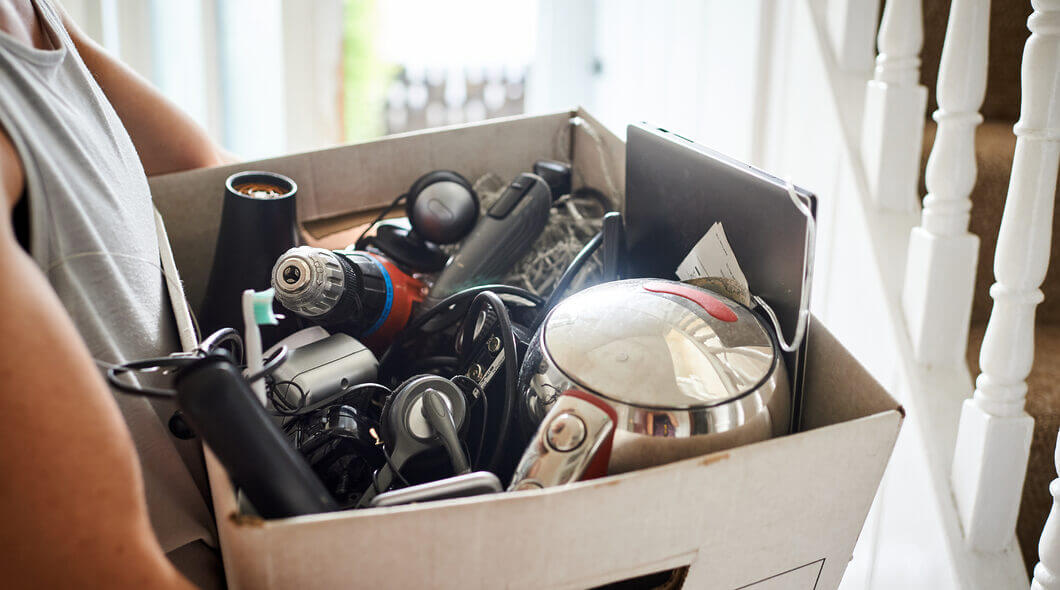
(686,370)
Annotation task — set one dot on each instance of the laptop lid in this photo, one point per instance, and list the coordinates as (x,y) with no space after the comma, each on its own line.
(677,189)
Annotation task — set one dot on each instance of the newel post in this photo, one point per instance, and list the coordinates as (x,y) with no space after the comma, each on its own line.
(994,435)
(893,122)
(940,269)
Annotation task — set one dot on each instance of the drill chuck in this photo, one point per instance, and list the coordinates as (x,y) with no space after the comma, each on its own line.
(308,281)
(352,291)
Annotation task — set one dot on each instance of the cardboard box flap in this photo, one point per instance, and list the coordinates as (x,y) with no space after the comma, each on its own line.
(599,158)
(837,387)
(359,177)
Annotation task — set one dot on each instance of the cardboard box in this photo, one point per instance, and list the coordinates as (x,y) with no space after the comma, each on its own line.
(783,513)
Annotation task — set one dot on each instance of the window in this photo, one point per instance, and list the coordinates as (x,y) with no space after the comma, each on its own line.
(268,77)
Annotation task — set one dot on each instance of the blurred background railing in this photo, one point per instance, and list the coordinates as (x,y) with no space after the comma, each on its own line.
(267,77)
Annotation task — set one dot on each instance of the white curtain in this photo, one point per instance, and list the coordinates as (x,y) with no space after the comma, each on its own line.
(262,76)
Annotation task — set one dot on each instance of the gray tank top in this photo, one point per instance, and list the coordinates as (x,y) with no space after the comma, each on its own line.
(92,232)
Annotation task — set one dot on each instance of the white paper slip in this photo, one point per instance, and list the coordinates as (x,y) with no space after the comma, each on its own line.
(712,256)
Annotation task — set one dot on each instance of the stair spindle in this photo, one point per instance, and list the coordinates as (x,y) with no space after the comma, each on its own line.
(893,122)
(940,269)
(994,434)
(1047,572)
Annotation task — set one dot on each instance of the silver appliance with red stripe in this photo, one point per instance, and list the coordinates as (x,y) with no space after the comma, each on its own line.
(685,370)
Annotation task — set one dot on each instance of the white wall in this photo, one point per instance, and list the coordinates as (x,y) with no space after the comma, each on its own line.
(689,65)
(469,33)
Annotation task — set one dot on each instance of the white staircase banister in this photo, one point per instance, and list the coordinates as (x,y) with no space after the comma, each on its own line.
(893,120)
(994,433)
(940,268)
(900,39)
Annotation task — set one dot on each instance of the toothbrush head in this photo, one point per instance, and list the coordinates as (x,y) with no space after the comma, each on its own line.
(263,313)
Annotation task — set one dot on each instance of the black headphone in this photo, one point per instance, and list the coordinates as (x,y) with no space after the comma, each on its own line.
(442,208)
(425,412)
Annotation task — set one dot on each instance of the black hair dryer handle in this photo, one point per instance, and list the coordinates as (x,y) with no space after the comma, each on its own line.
(219,405)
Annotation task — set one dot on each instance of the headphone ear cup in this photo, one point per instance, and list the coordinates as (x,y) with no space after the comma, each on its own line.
(431,178)
(384,414)
(396,400)
(451,212)
(389,436)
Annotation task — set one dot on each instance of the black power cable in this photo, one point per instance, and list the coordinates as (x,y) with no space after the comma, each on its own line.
(568,275)
(378,218)
(165,365)
(282,407)
(511,367)
(442,306)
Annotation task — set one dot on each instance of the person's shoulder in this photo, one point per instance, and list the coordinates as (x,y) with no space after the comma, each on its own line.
(12,176)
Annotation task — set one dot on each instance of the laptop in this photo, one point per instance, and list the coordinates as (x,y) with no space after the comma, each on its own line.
(768,232)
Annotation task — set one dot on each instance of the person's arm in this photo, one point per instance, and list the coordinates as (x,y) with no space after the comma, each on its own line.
(71,495)
(166,138)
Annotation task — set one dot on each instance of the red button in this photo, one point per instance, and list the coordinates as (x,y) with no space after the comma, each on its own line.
(708,302)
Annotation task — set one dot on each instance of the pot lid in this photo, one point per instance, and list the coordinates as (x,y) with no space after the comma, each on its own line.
(662,344)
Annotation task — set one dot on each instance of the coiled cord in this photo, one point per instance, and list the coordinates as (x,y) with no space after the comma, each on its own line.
(511,368)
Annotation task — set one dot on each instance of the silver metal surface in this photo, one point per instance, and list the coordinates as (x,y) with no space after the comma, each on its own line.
(294,275)
(308,281)
(493,344)
(474,371)
(681,381)
(565,432)
(458,486)
(544,465)
(639,347)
